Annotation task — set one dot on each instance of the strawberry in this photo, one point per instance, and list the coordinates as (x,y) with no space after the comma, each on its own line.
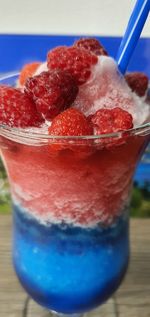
(92,45)
(17,110)
(76,61)
(53,91)
(138,82)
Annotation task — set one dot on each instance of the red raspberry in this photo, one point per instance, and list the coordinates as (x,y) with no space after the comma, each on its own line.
(107,121)
(73,59)
(27,71)
(17,110)
(71,122)
(92,45)
(52,91)
(138,82)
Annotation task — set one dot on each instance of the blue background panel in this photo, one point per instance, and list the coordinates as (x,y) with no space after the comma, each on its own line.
(16,50)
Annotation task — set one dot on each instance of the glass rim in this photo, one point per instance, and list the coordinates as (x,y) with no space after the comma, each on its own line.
(5,130)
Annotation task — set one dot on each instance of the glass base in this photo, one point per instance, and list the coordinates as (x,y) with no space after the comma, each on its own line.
(54,314)
(33,309)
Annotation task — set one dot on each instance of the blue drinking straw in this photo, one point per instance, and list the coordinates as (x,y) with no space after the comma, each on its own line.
(132,33)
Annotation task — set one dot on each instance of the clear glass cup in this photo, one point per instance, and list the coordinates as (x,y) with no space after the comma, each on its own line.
(70,199)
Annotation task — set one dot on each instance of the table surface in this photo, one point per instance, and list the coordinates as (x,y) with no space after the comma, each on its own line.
(131,300)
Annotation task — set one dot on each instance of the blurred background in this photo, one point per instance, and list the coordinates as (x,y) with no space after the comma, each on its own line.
(28,29)
(101,17)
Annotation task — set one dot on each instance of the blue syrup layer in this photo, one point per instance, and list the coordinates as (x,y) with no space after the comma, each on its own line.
(69,269)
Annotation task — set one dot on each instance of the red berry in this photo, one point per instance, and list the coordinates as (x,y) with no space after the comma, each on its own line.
(73,59)
(17,110)
(52,91)
(111,120)
(71,122)
(27,71)
(106,121)
(92,45)
(138,82)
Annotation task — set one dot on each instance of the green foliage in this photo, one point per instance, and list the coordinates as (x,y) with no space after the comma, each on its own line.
(140,202)
(5,200)
(2,171)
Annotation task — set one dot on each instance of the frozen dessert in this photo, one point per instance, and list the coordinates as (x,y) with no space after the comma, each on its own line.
(73,125)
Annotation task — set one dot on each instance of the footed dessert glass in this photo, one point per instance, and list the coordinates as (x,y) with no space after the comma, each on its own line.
(70,200)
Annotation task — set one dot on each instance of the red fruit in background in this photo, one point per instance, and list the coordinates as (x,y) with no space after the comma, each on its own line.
(27,71)
(53,91)
(92,45)
(138,82)
(17,110)
(73,59)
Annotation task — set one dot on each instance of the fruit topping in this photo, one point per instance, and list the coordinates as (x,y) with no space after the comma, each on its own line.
(73,59)
(17,110)
(27,71)
(92,45)
(138,82)
(52,91)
